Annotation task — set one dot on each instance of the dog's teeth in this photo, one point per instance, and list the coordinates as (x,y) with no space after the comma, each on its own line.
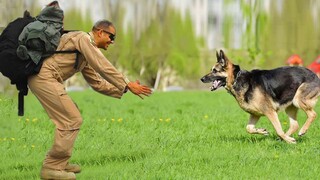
(215,83)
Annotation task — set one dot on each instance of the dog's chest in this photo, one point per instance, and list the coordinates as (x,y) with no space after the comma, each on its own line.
(250,108)
(250,101)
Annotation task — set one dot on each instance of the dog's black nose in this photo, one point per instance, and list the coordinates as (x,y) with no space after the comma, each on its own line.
(203,79)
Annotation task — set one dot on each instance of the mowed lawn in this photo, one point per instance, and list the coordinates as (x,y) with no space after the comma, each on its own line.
(173,135)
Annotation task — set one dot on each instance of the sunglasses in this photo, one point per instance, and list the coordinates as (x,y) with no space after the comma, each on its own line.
(111,36)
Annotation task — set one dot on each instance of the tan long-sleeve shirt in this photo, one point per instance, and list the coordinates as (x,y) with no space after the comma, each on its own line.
(100,74)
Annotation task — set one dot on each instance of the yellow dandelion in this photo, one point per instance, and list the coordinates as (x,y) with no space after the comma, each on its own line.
(112,119)
(161,119)
(27,120)
(206,116)
(120,120)
(13,139)
(34,120)
(285,123)
(168,120)
(19,119)
(276,156)
(33,146)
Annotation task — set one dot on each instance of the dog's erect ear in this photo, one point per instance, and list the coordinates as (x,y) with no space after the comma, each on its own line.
(222,59)
(221,53)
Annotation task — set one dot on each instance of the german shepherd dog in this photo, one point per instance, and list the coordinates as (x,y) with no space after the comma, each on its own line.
(265,92)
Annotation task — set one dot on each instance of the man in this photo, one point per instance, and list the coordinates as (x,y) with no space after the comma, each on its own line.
(48,87)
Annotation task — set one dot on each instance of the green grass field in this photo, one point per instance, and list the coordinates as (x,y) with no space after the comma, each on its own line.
(174,135)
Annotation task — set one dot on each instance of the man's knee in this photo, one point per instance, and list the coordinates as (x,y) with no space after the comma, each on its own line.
(78,122)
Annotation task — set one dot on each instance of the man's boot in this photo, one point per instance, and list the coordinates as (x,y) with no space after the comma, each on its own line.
(73,168)
(56,174)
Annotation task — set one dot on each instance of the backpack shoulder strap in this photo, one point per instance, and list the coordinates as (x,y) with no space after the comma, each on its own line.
(67,52)
(71,51)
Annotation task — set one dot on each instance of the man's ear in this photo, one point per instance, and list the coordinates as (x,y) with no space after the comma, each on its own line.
(100,33)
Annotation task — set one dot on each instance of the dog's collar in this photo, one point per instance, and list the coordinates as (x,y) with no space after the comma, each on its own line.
(235,81)
(237,72)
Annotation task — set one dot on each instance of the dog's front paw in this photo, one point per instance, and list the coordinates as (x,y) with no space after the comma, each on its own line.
(302,132)
(289,139)
(262,131)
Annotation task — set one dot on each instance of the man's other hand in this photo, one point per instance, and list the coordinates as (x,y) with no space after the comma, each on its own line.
(138,89)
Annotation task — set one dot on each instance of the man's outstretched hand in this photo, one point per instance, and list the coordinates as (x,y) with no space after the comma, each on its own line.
(138,89)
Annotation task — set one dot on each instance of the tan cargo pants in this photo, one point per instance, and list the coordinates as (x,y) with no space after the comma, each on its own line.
(48,87)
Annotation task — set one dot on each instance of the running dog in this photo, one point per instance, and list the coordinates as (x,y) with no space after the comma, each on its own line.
(265,92)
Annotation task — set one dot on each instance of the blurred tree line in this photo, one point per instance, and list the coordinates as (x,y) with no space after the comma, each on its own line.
(166,50)
(275,33)
(160,54)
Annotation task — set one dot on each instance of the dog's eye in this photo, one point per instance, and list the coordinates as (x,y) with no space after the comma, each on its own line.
(214,70)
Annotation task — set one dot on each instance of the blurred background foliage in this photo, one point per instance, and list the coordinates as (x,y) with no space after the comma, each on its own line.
(173,42)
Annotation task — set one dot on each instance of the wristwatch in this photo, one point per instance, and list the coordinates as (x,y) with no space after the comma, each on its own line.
(126,89)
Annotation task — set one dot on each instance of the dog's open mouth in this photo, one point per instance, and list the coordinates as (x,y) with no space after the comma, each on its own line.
(217,83)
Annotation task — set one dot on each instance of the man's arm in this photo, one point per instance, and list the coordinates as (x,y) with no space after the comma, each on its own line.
(99,84)
(100,63)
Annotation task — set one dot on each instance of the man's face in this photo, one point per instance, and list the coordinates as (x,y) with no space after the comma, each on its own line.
(107,37)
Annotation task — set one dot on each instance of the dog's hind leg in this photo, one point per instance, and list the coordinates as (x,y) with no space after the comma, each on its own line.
(292,113)
(306,98)
(251,126)
(273,117)
(311,114)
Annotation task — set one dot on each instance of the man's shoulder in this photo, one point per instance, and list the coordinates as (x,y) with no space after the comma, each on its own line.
(75,36)
(75,33)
